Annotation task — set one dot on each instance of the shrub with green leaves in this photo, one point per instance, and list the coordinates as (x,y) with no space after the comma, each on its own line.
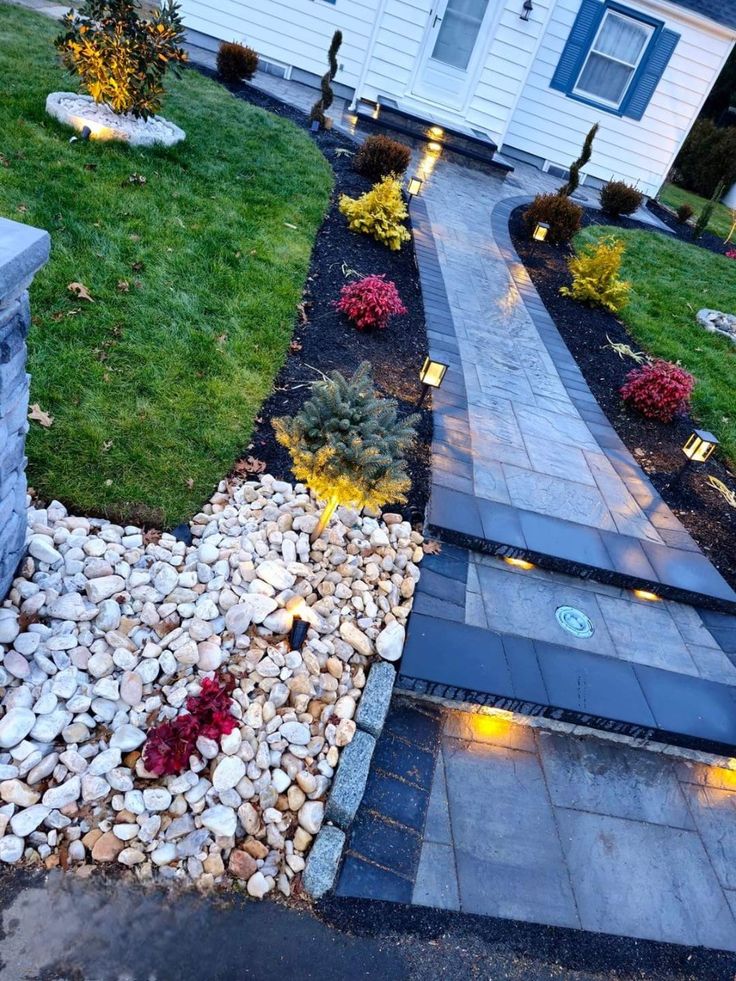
(348,444)
(706,214)
(707,157)
(121,57)
(620,198)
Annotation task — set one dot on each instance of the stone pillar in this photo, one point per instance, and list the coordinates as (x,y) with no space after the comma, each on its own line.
(23,251)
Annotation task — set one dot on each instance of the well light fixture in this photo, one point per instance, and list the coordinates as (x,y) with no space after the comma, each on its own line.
(518,563)
(645,594)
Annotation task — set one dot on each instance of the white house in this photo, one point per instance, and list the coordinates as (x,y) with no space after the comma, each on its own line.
(533,75)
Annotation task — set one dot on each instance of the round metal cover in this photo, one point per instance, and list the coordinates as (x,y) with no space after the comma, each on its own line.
(574,621)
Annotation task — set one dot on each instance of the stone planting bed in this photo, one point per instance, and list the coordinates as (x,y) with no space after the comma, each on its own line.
(107,631)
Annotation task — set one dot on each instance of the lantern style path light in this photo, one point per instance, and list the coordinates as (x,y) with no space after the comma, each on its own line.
(432,375)
(526,10)
(301,617)
(698,448)
(414,186)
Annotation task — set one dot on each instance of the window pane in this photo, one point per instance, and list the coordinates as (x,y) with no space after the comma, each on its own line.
(622,38)
(604,79)
(458,32)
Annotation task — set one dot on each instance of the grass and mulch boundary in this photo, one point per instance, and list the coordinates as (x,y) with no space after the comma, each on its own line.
(324,340)
(662,269)
(672,197)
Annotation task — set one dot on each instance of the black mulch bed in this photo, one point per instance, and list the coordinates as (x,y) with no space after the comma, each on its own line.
(656,446)
(327,341)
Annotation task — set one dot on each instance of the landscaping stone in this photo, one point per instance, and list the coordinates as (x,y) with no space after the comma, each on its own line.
(81,110)
(349,783)
(324,861)
(98,672)
(376,699)
(716,322)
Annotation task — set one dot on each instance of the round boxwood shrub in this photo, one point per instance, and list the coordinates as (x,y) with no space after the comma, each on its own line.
(379,156)
(563,216)
(236,61)
(620,198)
(684,213)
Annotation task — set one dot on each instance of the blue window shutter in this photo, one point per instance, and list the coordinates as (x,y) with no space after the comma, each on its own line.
(578,43)
(649,73)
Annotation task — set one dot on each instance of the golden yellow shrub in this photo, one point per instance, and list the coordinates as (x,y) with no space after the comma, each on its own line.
(595,272)
(379,212)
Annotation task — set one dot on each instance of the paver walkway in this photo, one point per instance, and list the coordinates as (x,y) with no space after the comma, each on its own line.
(478,814)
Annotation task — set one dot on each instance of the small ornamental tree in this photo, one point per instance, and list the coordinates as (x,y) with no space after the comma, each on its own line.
(347,444)
(370,302)
(701,223)
(120,57)
(596,278)
(324,102)
(573,181)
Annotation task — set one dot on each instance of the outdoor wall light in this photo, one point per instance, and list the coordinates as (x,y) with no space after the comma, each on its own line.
(434,148)
(699,446)
(541,231)
(415,186)
(431,376)
(526,9)
(436,132)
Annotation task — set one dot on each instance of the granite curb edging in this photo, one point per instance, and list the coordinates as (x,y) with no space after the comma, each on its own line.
(349,782)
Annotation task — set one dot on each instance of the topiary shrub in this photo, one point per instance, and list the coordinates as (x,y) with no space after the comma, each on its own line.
(573,181)
(348,445)
(707,157)
(379,156)
(317,113)
(236,61)
(595,272)
(620,198)
(370,302)
(379,212)
(563,216)
(701,223)
(120,57)
(659,390)
(684,213)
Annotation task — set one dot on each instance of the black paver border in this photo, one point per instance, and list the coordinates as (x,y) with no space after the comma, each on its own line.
(451,660)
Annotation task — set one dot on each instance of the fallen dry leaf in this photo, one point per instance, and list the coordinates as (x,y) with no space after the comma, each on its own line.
(432,548)
(250,465)
(37,414)
(294,346)
(80,291)
(123,286)
(22,208)
(138,266)
(302,309)
(190,482)
(152,536)
(107,445)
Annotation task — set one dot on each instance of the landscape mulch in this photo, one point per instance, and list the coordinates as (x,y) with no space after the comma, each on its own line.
(588,333)
(324,340)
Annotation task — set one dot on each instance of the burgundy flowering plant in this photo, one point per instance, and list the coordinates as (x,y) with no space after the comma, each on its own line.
(170,745)
(370,302)
(731,253)
(659,390)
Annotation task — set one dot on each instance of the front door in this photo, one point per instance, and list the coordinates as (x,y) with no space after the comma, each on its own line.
(450,50)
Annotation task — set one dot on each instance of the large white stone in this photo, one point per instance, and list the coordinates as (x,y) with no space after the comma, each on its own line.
(15,726)
(220,820)
(228,772)
(275,574)
(390,641)
(81,110)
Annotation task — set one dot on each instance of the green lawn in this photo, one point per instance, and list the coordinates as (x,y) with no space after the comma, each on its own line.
(154,386)
(671,281)
(673,197)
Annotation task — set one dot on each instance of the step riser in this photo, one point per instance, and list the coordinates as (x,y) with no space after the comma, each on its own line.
(579,570)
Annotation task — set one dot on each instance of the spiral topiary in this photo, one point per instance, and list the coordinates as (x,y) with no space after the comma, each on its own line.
(325,100)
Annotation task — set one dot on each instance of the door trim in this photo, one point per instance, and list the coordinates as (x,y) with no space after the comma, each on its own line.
(486,36)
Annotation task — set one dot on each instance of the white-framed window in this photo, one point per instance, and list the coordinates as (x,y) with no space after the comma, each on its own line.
(615,54)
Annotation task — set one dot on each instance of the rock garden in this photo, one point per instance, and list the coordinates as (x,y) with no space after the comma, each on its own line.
(629,302)
(175,691)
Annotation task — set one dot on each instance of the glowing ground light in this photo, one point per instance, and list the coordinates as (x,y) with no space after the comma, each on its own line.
(518,563)
(645,594)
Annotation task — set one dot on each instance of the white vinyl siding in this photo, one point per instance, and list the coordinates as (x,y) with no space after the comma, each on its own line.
(549,124)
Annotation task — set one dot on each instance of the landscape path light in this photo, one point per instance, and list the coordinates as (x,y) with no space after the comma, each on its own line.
(432,375)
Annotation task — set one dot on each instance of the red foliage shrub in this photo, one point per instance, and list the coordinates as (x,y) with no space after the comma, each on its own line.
(660,390)
(731,254)
(170,745)
(370,302)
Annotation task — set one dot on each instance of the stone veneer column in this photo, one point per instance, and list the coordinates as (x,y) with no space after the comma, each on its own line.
(23,251)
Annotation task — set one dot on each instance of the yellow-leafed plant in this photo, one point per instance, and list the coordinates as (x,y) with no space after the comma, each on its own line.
(596,279)
(379,212)
(348,444)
